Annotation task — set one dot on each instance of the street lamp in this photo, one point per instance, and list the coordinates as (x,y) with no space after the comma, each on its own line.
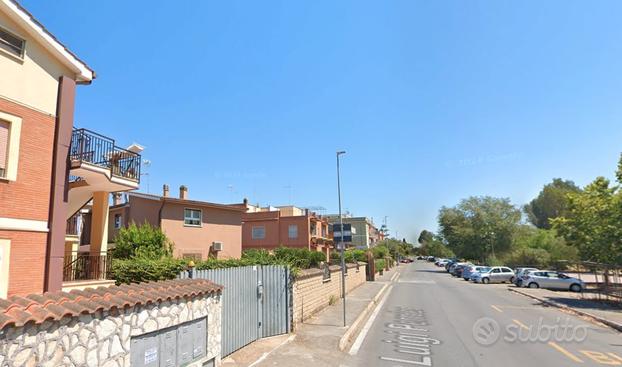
(343,259)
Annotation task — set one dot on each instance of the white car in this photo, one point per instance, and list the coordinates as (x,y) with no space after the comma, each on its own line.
(553,280)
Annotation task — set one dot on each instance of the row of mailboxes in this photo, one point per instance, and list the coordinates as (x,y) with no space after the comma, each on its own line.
(170,347)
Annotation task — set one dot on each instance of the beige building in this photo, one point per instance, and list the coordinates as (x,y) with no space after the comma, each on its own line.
(198,229)
(365,234)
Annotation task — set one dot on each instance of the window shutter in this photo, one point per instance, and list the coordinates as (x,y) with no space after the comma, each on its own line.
(4,145)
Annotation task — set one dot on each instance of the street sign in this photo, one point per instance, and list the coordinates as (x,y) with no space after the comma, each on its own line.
(347,232)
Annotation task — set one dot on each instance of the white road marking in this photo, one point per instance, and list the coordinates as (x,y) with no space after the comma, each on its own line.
(265,355)
(361,337)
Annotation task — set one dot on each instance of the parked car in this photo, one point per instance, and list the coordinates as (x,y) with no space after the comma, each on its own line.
(553,280)
(456,269)
(521,274)
(431,259)
(468,270)
(482,269)
(449,264)
(459,269)
(496,274)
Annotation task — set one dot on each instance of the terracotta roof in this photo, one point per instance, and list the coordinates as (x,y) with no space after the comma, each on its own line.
(37,308)
(169,199)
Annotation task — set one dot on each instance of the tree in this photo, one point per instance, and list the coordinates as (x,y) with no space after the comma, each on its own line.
(144,241)
(479,227)
(395,247)
(593,222)
(437,249)
(549,244)
(425,237)
(552,202)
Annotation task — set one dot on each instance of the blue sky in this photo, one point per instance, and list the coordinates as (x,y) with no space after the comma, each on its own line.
(433,101)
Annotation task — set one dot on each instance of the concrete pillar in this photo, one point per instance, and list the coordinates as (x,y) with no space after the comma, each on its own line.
(99,223)
(55,254)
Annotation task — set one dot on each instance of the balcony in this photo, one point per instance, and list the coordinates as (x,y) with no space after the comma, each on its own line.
(83,266)
(90,148)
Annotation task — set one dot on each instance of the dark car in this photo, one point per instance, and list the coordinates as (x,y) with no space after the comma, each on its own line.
(458,269)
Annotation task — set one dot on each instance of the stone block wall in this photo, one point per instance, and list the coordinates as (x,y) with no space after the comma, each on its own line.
(312,294)
(103,338)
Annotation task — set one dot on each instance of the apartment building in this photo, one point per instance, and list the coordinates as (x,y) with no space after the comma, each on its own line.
(48,169)
(289,226)
(198,229)
(366,234)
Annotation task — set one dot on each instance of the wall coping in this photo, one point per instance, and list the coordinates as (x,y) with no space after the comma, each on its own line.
(308,273)
(38,308)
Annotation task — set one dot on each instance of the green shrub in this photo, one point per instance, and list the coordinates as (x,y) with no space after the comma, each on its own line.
(138,270)
(259,256)
(299,257)
(380,264)
(380,252)
(145,241)
(536,257)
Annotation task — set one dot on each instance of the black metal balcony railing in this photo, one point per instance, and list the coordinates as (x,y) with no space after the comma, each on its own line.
(84,266)
(90,147)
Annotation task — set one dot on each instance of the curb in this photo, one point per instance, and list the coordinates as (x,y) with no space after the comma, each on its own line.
(612,324)
(349,334)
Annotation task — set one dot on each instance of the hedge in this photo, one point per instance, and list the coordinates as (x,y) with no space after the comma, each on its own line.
(136,270)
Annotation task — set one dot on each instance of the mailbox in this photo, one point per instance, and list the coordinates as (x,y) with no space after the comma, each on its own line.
(170,347)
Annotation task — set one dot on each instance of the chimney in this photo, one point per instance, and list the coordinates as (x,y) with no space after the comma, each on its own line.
(165,190)
(183,192)
(245,201)
(116,198)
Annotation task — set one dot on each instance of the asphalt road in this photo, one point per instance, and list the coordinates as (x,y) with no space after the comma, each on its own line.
(430,318)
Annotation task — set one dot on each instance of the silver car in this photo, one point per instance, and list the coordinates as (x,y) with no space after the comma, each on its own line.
(521,274)
(553,280)
(496,274)
(469,270)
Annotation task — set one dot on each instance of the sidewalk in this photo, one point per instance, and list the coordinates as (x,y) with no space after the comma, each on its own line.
(573,302)
(316,342)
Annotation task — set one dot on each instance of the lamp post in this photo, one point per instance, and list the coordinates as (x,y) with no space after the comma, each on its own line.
(343,259)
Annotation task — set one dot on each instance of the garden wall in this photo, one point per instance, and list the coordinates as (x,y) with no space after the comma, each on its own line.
(312,292)
(108,326)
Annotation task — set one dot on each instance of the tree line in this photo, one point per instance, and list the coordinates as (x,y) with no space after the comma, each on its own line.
(564,222)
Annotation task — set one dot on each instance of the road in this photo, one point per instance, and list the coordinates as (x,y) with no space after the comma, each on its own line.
(430,318)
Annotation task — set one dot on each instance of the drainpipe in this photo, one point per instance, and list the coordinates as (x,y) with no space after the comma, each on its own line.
(160,213)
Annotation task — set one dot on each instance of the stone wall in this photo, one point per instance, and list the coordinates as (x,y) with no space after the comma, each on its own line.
(312,293)
(103,338)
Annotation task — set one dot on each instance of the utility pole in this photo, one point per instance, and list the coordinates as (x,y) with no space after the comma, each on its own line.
(343,245)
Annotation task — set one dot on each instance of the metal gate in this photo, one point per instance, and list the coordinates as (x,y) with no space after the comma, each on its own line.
(256,302)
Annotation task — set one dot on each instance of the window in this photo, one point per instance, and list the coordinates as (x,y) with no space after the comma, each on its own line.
(11,43)
(192,217)
(506,270)
(4,147)
(292,231)
(259,232)
(10,128)
(117,221)
(496,270)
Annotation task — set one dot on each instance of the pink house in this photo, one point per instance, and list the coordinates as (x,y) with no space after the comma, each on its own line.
(199,229)
(289,226)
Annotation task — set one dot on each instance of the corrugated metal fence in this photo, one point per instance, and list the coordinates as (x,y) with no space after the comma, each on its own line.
(256,302)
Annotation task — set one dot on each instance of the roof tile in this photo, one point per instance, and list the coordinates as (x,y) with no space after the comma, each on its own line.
(37,308)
